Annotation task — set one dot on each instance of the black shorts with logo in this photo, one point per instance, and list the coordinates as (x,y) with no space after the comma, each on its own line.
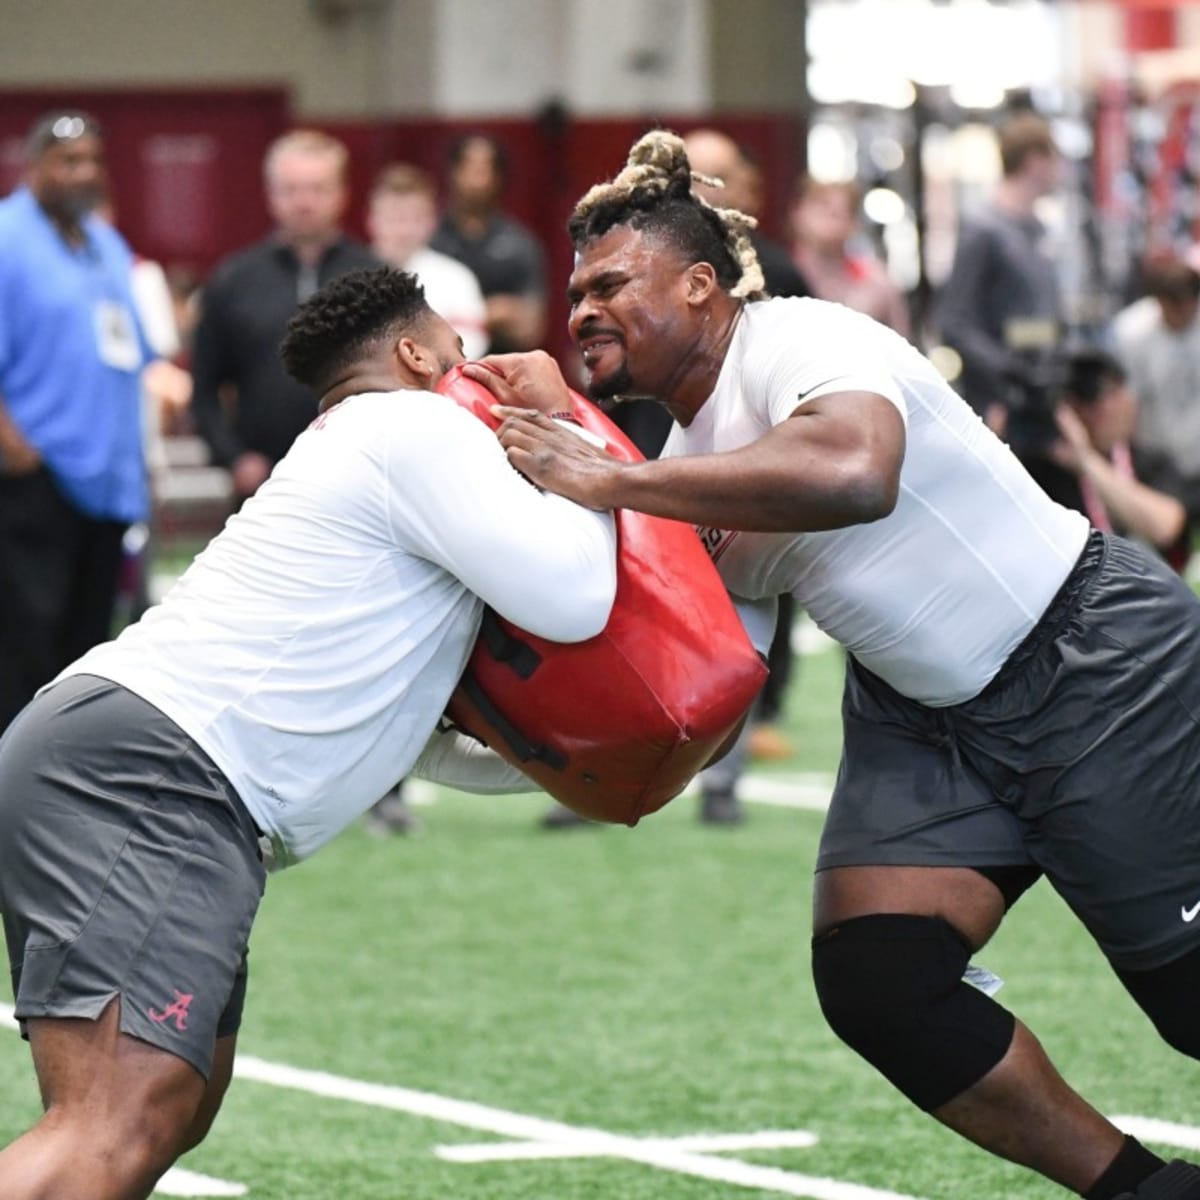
(128,868)
(1081,758)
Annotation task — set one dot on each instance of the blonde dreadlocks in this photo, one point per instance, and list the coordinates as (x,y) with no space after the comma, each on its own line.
(653,192)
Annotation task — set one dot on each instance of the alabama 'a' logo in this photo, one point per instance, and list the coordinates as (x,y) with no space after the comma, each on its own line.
(177,1011)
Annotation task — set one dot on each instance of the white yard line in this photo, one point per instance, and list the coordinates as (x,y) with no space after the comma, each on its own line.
(715,1143)
(684,1156)
(177,1182)
(1165,1133)
(664,1155)
(597,1142)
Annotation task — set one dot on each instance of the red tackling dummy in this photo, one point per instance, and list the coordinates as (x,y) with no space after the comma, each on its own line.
(616,726)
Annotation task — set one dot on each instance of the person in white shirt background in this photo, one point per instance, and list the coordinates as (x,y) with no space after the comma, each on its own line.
(402,215)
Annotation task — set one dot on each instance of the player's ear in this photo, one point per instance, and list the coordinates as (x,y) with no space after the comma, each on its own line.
(416,358)
(701,282)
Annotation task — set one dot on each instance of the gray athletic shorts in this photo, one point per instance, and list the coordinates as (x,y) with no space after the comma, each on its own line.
(1080,759)
(128,867)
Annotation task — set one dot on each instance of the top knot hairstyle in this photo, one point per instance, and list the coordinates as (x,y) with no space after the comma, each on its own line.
(338,323)
(653,193)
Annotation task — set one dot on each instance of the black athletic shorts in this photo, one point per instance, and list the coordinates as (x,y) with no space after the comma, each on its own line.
(1081,758)
(128,868)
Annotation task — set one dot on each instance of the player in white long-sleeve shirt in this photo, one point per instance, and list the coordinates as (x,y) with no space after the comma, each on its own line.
(298,668)
(1022,694)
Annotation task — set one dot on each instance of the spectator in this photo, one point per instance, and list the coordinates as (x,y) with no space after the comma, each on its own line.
(166,392)
(719,157)
(1158,341)
(249,300)
(401,218)
(503,255)
(1095,467)
(825,227)
(72,350)
(1000,308)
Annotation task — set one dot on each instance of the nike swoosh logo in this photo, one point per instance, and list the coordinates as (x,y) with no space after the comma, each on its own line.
(1190,914)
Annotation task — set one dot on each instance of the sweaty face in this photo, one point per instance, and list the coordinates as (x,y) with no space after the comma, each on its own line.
(68,177)
(629,315)
(305,194)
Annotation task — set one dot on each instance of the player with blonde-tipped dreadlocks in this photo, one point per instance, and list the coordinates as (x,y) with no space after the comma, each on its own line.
(1021,692)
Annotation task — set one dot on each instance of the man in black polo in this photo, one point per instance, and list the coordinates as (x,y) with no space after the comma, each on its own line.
(506,258)
(247,410)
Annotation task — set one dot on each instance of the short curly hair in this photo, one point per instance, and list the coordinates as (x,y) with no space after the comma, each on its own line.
(345,318)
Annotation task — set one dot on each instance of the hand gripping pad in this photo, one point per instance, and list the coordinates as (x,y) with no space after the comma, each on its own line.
(616,726)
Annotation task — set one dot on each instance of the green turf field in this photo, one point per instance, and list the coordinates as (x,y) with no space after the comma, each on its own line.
(564,1015)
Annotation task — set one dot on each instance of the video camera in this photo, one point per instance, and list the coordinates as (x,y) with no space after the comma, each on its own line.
(1035,380)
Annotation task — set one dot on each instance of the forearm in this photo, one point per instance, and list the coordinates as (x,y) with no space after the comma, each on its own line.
(455,760)
(749,490)
(1141,510)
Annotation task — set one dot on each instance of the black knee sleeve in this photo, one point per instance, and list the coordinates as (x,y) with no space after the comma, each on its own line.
(1167,995)
(890,986)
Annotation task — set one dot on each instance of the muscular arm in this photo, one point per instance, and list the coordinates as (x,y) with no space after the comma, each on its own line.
(543,563)
(835,462)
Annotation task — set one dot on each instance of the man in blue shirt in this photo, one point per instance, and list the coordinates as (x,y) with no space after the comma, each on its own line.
(72,472)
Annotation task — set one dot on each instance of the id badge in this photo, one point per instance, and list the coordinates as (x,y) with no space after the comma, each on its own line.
(116,337)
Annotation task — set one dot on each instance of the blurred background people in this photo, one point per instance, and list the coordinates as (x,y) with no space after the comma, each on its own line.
(401,218)
(72,352)
(166,394)
(1097,466)
(1001,306)
(828,248)
(1158,341)
(501,253)
(718,156)
(245,407)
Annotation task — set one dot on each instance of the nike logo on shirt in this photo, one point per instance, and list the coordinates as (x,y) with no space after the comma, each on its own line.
(1189,914)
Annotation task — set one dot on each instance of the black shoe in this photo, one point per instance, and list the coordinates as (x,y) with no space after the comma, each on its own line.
(721,808)
(1178,1180)
(559,816)
(390,816)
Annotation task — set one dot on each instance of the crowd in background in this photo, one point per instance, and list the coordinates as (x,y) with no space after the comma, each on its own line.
(1108,423)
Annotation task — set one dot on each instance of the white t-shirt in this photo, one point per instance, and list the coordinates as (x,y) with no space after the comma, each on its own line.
(934,597)
(452,291)
(311,648)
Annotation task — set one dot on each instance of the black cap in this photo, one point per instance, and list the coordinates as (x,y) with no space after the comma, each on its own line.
(60,125)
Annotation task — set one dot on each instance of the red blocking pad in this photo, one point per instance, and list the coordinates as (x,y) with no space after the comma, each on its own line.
(616,726)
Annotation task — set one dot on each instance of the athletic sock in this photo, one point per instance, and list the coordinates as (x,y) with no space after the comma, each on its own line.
(1133,1164)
